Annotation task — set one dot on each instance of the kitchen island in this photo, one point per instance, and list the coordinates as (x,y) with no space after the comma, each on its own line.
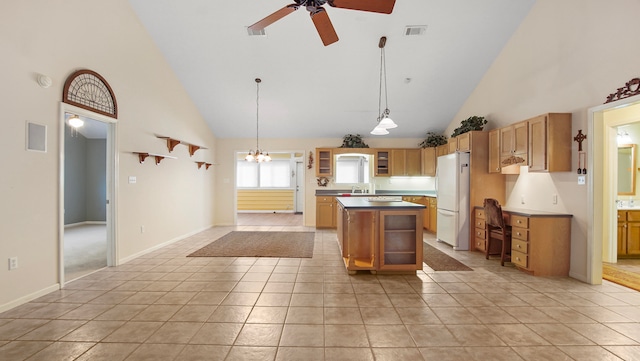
(378,234)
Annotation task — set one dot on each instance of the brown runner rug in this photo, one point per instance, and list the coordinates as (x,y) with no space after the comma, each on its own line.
(621,276)
(439,261)
(260,244)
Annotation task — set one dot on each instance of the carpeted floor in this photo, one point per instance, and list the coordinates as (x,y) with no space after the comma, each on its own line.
(439,261)
(621,277)
(260,244)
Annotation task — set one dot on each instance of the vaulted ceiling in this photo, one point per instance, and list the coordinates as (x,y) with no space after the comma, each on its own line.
(312,91)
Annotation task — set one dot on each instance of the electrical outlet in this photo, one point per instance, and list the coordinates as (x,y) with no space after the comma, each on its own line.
(555,199)
(582,179)
(13,263)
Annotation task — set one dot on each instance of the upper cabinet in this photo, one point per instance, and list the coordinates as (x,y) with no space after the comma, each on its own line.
(442,150)
(550,143)
(514,141)
(324,165)
(406,162)
(494,151)
(429,161)
(382,160)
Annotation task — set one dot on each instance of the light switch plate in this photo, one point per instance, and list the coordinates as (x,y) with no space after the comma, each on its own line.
(132,179)
(582,179)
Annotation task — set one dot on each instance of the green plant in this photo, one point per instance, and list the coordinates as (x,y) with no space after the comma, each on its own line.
(472,123)
(353,141)
(433,140)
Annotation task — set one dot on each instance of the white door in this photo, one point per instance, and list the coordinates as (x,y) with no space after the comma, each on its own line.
(299,195)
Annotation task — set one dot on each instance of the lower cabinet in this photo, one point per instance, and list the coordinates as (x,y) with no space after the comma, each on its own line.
(326,212)
(629,234)
(378,240)
(433,214)
(480,240)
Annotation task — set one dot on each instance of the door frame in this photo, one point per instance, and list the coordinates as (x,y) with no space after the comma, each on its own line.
(298,206)
(602,182)
(111,184)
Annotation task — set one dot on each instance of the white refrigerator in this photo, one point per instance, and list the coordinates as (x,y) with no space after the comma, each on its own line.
(452,189)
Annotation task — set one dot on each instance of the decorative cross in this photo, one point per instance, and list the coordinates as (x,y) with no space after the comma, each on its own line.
(580,138)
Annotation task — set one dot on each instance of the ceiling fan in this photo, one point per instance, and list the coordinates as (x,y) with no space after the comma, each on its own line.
(319,15)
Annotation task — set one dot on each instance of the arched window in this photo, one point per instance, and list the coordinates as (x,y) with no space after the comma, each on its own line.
(88,90)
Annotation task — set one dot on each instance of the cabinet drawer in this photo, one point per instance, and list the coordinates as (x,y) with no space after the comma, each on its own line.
(481,233)
(520,233)
(519,259)
(520,245)
(633,216)
(481,244)
(325,199)
(519,221)
(480,223)
(480,214)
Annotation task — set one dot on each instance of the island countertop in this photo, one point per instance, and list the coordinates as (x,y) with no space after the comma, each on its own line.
(365,203)
(379,192)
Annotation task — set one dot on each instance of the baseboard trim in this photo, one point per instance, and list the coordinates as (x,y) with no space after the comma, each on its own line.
(580,277)
(71,225)
(158,246)
(30,297)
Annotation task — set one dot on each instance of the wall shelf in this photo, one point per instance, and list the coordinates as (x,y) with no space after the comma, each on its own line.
(158,157)
(205,164)
(172,143)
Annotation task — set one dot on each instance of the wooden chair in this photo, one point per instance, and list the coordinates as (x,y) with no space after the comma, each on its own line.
(498,234)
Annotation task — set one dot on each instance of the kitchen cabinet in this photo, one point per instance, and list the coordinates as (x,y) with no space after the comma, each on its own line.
(442,150)
(433,214)
(628,234)
(406,162)
(326,212)
(480,241)
(464,142)
(385,236)
(429,161)
(494,151)
(452,145)
(382,162)
(324,162)
(425,202)
(550,142)
(514,144)
(540,243)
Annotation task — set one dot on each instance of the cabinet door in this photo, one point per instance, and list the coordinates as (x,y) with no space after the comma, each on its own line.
(538,144)
(494,151)
(429,161)
(521,138)
(413,162)
(442,150)
(400,240)
(453,145)
(506,142)
(382,162)
(433,215)
(633,239)
(326,214)
(464,142)
(622,238)
(324,162)
(398,162)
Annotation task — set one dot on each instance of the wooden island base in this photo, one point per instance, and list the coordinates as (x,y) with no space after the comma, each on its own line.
(380,237)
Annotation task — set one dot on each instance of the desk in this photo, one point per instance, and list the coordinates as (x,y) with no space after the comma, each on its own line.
(540,241)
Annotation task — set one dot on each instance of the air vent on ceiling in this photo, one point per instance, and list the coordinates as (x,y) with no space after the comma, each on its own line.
(259,32)
(414,30)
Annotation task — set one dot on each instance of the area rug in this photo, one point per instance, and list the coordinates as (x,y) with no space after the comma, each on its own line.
(621,277)
(439,261)
(260,244)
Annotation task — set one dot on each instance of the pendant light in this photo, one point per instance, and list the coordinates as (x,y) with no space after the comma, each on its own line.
(259,155)
(384,122)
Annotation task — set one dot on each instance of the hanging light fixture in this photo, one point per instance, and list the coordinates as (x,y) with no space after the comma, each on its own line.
(384,122)
(259,155)
(75,121)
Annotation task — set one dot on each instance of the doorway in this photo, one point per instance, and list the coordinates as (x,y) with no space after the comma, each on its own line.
(603,122)
(87,193)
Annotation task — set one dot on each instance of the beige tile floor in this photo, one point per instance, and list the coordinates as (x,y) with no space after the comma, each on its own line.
(165,306)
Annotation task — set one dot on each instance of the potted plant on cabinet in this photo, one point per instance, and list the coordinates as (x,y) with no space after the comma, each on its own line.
(472,123)
(433,140)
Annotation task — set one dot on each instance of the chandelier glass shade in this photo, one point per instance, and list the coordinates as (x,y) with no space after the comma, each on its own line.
(260,155)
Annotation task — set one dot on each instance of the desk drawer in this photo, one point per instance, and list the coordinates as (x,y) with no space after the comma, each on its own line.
(481,233)
(519,259)
(480,223)
(520,246)
(520,233)
(519,221)
(480,214)
(481,244)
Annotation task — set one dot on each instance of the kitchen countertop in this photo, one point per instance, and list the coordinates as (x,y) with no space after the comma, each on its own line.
(364,203)
(532,212)
(379,192)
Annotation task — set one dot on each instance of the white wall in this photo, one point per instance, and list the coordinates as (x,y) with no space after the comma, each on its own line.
(566,56)
(56,38)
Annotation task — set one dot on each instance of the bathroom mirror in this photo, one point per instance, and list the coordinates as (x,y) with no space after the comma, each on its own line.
(352,168)
(626,169)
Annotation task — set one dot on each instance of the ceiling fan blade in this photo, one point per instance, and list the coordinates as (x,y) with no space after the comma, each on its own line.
(274,17)
(323,25)
(376,6)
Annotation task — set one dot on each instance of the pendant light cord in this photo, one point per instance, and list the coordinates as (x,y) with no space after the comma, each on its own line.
(383,74)
(380,89)
(257,113)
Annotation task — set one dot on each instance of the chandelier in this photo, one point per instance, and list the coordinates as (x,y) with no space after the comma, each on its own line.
(259,155)
(384,122)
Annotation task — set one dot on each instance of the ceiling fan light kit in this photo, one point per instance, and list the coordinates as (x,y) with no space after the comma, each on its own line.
(319,16)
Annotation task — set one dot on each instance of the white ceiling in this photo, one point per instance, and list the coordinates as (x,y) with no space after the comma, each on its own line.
(311,91)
